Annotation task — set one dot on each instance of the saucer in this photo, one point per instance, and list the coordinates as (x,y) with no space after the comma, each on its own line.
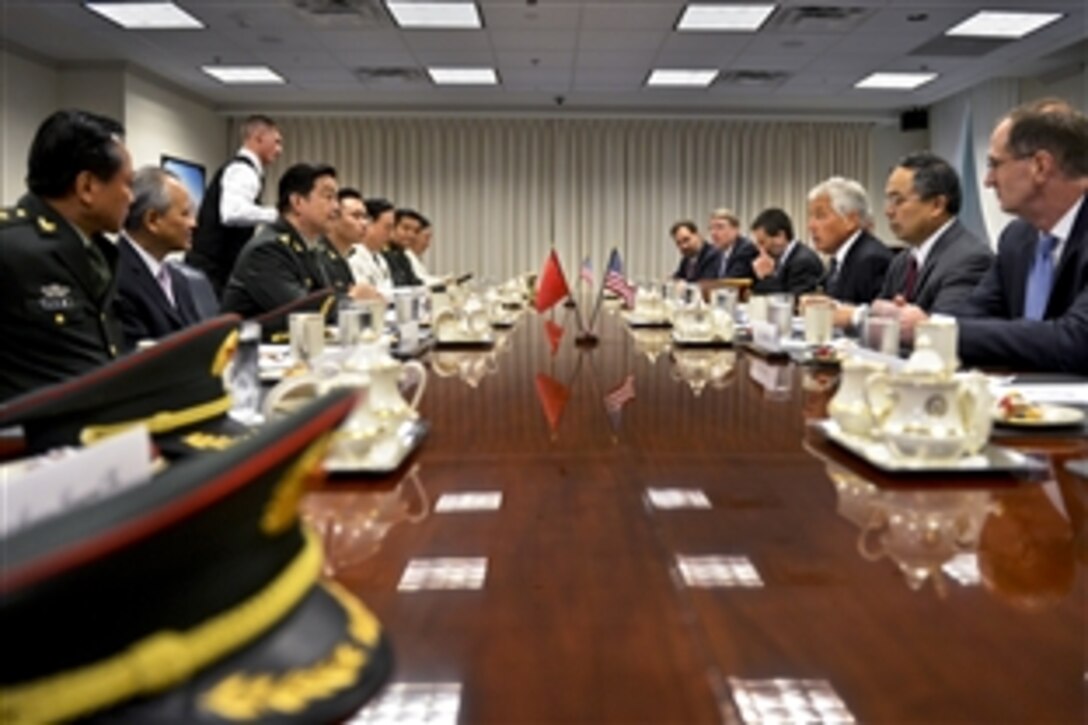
(410,435)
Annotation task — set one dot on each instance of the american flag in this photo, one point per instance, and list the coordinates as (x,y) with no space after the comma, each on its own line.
(621,395)
(614,281)
(586,272)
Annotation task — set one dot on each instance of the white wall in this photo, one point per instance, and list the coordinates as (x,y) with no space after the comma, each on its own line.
(1072,86)
(889,145)
(160,120)
(28,93)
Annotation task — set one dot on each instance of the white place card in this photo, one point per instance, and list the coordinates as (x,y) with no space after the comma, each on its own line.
(1054,393)
(37,489)
(765,336)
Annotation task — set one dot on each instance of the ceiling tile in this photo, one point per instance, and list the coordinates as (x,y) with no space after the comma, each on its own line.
(629,40)
(557,40)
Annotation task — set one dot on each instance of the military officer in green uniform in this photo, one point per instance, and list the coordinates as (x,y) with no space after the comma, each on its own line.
(56,268)
(288,259)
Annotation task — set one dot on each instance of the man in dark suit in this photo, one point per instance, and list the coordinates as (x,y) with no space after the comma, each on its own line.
(785,264)
(944,261)
(56,269)
(737,251)
(280,264)
(407,223)
(699,260)
(838,212)
(1030,311)
(153,298)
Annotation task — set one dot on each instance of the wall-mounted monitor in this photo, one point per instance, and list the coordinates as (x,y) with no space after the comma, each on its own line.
(190,173)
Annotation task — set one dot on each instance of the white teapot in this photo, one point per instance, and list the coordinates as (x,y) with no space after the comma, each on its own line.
(849,407)
(693,324)
(925,414)
(367,437)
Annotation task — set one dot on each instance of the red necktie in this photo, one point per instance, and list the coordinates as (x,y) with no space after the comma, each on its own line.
(912,277)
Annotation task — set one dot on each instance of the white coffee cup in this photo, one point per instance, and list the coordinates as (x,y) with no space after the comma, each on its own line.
(943,334)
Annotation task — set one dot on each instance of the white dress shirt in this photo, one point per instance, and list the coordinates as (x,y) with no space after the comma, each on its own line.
(371,268)
(240,185)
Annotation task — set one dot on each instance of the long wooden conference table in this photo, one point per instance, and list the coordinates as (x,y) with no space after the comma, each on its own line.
(700,554)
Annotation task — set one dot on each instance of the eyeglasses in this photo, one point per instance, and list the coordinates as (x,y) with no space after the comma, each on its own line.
(993,164)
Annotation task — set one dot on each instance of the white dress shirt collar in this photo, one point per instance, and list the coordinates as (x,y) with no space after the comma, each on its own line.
(922,252)
(153,265)
(845,248)
(1064,227)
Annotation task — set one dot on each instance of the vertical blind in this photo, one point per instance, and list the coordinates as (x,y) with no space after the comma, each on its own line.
(503,192)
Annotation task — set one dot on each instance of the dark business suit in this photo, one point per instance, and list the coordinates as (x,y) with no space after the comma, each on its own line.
(992,329)
(141,305)
(860,276)
(799,274)
(337,270)
(737,263)
(702,266)
(955,264)
(56,316)
(275,268)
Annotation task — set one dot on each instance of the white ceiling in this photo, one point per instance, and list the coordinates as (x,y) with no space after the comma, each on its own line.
(596,54)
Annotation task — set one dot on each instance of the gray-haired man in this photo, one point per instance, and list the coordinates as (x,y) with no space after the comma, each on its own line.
(153,297)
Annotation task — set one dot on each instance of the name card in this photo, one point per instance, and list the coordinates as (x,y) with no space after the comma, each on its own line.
(40,488)
(765,336)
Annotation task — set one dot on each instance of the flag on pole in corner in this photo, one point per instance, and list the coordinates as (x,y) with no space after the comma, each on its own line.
(551,286)
(614,281)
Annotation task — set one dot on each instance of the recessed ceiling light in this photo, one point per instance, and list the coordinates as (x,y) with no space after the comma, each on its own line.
(895,81)
(146,16)
(464,76)
(238,74)
(436,15)
(711,18)
(678,77)
(993,24)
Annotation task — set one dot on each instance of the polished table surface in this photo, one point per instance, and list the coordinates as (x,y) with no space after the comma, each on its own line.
(584,613)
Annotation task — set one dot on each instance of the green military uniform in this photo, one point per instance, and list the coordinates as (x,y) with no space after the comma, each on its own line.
(56,290)
(275,268)
(337,269)
(400,267)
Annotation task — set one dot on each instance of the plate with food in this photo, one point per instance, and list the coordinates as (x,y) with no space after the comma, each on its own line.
(1016,411)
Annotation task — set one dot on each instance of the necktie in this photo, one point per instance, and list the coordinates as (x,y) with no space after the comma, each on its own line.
(911,279)
(832,276)
(725,261)
(166,283)
(100,268)
(1040,278)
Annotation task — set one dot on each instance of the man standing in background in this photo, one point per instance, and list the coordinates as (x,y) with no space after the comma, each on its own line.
(231,208)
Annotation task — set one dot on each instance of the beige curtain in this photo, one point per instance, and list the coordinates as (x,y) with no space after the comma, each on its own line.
(502,192)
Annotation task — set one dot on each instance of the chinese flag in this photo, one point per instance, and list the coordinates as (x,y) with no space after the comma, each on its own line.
(554,333)
(553,397)
(551,286)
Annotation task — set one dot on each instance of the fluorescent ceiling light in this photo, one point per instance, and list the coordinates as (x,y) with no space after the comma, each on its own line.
(440,15)
(676,77)
(724,17)
(249,74)
(993,24)
(146,16)
(895,81)
(464,76)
